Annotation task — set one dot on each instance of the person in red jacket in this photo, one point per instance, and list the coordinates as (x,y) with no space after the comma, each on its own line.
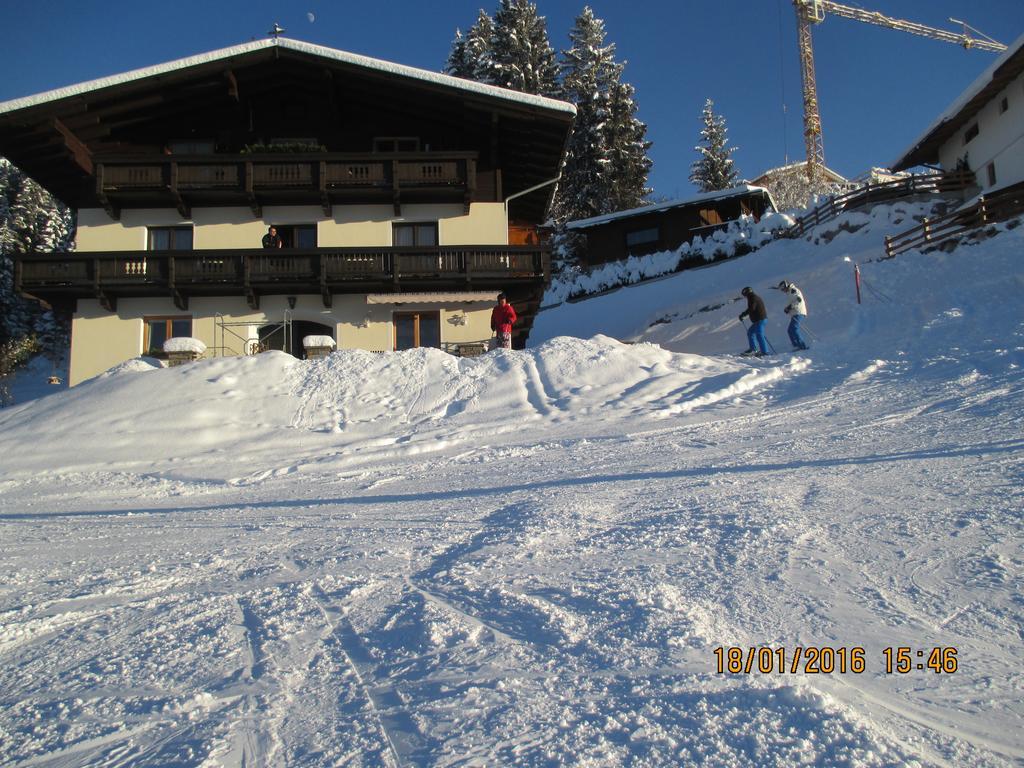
(502,318)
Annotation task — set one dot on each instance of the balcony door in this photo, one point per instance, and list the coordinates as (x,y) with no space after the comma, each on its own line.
(417,234)
(297,235)
(169,239)
(417,329)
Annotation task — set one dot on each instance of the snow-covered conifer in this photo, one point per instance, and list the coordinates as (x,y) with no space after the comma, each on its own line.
(521,58)
(606,162)
(470,56)
(30,220)
(589,72)
(713,170)
(457,63)
(627,140)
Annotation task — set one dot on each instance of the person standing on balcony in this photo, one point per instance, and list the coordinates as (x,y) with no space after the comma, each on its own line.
(503,316)
(272,239)
(797,311)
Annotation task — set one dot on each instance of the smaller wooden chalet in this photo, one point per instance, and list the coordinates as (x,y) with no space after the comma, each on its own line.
(982,130)
(666,226)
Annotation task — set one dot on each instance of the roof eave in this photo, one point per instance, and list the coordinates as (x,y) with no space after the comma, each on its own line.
(925,148)
(725,194)
(469,88)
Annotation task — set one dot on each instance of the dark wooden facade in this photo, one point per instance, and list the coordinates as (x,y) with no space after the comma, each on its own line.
(324,179)
(666,226)
(210,133)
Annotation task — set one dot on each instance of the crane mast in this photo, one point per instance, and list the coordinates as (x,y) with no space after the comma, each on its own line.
(809,12)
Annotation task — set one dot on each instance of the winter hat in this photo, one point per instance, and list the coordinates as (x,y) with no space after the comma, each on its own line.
(746,291)
(783,286)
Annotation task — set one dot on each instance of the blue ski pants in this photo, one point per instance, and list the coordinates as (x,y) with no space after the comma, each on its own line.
(794,332)
(755,333)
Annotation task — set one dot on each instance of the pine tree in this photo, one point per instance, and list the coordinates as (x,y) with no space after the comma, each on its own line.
(457,64)
(30,220)
(627,137)
(606,162)
(588,73)
(714,169)
(521,58)
(470,55)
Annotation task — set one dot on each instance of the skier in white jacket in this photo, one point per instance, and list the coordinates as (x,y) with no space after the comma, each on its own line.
(797,311)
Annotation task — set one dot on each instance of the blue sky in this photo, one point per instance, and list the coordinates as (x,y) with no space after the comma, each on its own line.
(878,89)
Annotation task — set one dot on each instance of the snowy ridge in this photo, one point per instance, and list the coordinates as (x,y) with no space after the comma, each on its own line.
(530,558)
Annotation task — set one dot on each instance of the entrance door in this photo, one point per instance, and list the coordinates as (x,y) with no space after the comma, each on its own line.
(417,329)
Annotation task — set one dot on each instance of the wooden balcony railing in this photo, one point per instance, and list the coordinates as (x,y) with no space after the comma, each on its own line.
(253,179)
(250,272)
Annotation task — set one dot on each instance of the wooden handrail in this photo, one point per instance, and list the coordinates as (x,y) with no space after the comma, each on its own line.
(912,185)
(260,265)
(932,232)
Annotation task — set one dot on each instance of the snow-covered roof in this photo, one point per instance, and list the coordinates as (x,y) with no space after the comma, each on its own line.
(799,165)
(961,109)
(366,62)
(721,194)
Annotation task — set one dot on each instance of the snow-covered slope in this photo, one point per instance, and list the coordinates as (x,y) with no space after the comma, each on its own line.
(530,558)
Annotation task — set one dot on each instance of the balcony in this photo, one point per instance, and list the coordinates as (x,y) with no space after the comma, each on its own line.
(61,278)
(324,179)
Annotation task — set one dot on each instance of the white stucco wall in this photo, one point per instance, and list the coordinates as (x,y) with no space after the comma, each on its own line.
(1000,140)
(101,339)
(349,225)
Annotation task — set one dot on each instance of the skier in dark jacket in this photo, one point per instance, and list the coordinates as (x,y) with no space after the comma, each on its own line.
(758,316)
(503,316)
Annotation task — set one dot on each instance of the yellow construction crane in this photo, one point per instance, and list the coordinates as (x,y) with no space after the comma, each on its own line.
(809,12)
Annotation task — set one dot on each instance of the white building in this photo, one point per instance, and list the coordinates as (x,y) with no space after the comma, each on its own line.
(983,129)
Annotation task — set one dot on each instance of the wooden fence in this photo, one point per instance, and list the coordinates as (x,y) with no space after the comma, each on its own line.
(990,209)
(874,194)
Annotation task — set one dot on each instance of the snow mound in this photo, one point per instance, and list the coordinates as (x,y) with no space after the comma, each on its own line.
(135,365)
(418,399)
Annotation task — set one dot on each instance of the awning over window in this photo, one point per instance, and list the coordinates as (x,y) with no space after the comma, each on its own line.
(448,297)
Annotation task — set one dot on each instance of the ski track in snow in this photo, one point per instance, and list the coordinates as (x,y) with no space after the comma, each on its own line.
(529,558)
